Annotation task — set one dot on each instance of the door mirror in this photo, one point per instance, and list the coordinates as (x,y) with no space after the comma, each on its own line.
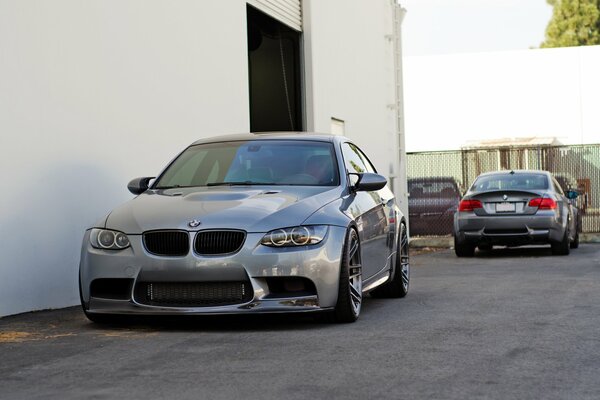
(572,194)
(368,182)
(139,185)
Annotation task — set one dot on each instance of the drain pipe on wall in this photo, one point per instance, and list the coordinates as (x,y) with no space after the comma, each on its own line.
(400,189)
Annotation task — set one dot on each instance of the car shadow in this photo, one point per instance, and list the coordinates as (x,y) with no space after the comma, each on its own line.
(223,323)
(515,252)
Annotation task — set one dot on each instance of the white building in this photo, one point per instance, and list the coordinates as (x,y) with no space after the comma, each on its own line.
(455,99)
(97,92)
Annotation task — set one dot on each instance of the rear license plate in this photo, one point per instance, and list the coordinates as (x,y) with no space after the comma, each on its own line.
(505,207)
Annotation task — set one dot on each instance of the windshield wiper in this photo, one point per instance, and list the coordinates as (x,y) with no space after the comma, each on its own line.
(240,183)
(168,187)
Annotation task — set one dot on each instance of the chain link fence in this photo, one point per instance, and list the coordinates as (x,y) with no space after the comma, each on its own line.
(437,180)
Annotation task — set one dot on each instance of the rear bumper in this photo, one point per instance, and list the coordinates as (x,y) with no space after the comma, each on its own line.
(508,230)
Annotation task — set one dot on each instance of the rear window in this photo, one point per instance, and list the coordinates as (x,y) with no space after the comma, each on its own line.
(432,188)
(510,182)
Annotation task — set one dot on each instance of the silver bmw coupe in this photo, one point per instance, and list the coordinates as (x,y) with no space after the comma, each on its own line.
(254,223)
(514,208)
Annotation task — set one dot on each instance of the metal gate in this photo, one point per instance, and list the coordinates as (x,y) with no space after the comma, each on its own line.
(437,180)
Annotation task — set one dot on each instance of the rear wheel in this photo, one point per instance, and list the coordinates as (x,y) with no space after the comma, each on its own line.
(349,300)
(562,248)
(398,285)
(463,249)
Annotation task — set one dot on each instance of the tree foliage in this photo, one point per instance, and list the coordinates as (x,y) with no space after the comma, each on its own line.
(573,23)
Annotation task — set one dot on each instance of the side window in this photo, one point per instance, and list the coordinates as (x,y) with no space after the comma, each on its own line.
(370,167)
(356,160)
(352,159)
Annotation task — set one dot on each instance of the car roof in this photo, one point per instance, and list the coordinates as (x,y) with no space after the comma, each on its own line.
(516,172)
(321,137)
(432,179)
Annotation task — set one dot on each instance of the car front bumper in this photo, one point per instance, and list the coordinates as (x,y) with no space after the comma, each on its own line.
(254,262)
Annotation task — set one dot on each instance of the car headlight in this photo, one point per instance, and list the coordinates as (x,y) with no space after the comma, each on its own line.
(109,240)
(295,236)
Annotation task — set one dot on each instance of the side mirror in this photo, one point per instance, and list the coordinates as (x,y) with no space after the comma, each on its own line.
(368,182)
(139,185)
(572,194)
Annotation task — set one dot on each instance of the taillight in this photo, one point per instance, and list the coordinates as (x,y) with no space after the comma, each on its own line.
(543,203)
(469,205)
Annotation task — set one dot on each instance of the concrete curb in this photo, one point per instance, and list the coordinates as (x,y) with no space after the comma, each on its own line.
(589,237)
(431,241)
(448,242)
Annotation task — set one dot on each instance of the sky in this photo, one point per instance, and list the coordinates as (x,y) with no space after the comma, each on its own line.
(467,26)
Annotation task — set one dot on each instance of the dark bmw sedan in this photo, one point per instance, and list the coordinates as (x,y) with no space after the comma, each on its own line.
(514,208)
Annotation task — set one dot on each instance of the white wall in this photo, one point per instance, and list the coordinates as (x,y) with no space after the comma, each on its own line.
(93,93)
(350,74)
(97,92)
(452,99)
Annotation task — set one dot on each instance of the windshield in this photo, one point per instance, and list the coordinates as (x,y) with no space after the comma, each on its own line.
(256,162)
(510,182)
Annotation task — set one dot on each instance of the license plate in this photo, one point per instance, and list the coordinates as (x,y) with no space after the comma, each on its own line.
(505,207)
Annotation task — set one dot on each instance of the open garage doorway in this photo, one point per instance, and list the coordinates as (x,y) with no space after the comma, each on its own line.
(275,74)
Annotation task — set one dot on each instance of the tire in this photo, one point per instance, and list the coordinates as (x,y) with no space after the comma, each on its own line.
(463,249)
(485,247)
(563,247)
(397,287)
(575,242)
(349,302)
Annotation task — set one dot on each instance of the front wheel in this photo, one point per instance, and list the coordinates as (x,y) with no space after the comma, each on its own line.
(349,300)
(575,242)
(398,285)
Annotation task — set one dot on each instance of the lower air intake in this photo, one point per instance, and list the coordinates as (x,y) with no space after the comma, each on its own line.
(512,231)
(193,294)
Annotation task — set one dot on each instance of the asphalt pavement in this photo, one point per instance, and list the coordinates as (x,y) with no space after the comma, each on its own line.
(508,324)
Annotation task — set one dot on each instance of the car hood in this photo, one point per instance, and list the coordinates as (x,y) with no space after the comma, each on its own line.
(252,209)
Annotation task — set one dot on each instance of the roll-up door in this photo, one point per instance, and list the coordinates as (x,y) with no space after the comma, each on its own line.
(287,11)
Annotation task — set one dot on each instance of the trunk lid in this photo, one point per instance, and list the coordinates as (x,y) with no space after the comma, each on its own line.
(507,202)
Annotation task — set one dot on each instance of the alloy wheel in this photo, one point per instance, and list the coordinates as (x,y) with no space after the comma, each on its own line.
(355,274)
(404,259)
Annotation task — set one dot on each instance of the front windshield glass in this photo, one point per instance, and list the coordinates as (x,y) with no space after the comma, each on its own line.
(510,182)
(255,162)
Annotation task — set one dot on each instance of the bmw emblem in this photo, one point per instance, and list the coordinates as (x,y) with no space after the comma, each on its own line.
(194,223)
(505,197)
